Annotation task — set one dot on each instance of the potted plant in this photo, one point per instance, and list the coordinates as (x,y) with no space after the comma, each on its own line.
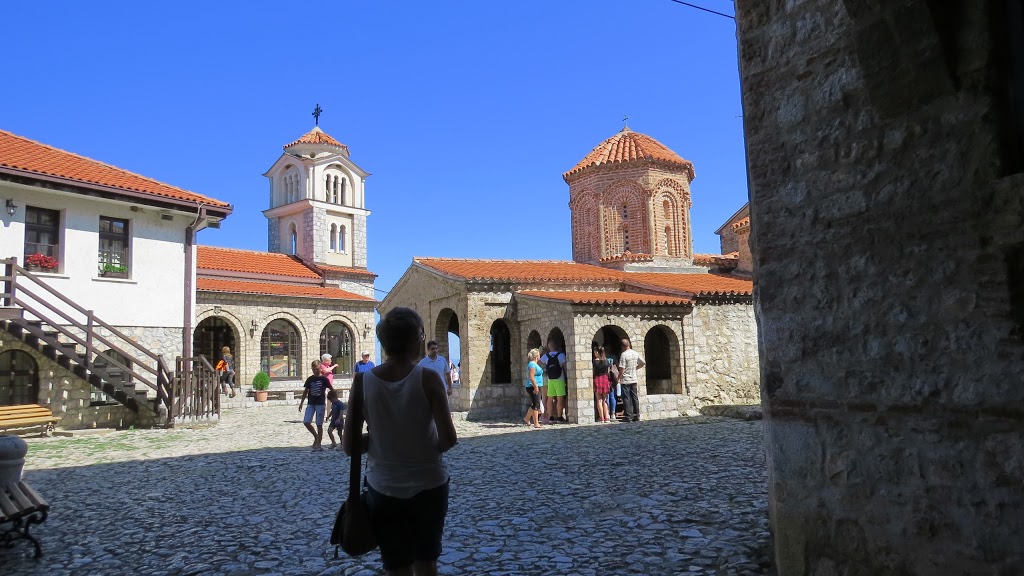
(41,263)
(260,383)
(113,271)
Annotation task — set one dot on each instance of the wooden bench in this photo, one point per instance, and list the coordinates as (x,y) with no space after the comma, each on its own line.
(21,507)
(27,416)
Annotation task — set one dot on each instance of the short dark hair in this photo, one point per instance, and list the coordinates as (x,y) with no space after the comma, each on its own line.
(400,332)
(431,343)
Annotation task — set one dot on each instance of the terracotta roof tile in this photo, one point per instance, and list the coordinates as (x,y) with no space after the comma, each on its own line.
(345,270)
(562,271)
(740,224)
(628,146)
(317,136)
(699,284)
(519,270)
(38,158)
(714,259)
(251,262)
(617,297)
(271,288)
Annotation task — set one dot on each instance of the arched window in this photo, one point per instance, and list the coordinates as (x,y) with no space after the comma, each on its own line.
(336,340)
(280,347)
(668,211)
(343,183)
(19,379)
(668,241)
(334,238)
(294,240)
(334,197)
(327,188)
(341,240)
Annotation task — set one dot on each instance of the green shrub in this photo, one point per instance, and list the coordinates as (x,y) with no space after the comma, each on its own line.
(260,381)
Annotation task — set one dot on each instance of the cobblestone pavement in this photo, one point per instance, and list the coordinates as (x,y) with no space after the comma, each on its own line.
(246,496)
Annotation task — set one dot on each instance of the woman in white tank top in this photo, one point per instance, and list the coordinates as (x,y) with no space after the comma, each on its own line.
(409,428)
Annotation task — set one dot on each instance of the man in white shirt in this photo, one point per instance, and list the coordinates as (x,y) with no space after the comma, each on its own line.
(629,362)
(438,364)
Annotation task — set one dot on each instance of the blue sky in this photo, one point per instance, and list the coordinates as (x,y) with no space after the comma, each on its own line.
(466,112)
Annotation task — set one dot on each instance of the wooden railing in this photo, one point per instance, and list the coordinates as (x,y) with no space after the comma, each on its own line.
(27,291)
(195,391)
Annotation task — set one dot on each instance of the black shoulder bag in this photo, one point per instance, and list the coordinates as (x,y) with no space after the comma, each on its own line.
(352,530)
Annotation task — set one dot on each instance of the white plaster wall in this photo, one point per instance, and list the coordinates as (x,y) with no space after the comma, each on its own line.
(338,258)
(152,296)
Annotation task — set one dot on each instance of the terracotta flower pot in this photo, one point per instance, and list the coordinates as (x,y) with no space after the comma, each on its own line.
(261,395)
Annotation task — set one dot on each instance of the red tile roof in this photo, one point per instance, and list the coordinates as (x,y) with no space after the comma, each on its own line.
(519,270)
(699,284)
(628,146)
(316,136)
(345,270)
(301,291)
(562,271)
(714,259)
(38,158)
(740,224)
(251,262)
(578,297)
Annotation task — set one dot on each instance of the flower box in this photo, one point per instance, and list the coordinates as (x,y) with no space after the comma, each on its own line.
(41,263)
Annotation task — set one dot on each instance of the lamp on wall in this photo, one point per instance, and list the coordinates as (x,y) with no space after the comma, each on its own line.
(11,208)
(252,329)
(366,329)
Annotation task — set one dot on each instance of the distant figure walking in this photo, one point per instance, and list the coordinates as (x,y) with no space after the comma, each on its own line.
(336,421)
(406,409)
(601,384)
(629,363)
(227,364)
(315,389)
(437,363)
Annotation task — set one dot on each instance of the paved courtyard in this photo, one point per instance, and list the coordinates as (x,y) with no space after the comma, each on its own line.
(247,497)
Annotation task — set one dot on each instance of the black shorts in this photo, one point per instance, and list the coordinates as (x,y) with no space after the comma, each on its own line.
(408,529)
(534,399)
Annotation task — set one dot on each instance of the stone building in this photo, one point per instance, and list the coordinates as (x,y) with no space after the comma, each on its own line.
(311,293)
(886,149)
(634,276)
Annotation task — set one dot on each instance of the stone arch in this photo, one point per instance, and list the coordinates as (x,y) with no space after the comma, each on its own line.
(118,369)
(586,227)
(447,321)
(212,334)
(559,338)
(281,347)
(661,353)
(19,378)
(678,197)
(610,336)
(533,341)
(500,354)
(338,339)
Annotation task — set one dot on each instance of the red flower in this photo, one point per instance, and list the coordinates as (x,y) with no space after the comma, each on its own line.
(42,260)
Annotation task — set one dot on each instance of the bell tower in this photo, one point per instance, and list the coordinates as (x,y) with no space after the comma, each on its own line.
(630,204)
(317,202)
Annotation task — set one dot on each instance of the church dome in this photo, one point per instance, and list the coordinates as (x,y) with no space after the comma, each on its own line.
(315,140)
(628,147)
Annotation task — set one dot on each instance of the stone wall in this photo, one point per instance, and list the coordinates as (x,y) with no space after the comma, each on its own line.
(309,315)
(69,397)
(883,156)
(358,240)
(722,354)
(274,235)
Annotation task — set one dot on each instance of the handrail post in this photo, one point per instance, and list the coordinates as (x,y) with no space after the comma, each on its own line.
(88,340)
(11,270)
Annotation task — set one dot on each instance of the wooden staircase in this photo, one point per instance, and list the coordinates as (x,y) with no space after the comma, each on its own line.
(74,338)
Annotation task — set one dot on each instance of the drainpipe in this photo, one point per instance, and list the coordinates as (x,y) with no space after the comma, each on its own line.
(190,241)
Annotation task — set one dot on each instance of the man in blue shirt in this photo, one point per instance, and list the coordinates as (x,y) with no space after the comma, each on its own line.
(438,364)
(365,364)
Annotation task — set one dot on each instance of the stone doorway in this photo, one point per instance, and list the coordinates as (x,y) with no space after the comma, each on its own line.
(500,357)
(610,336)
(660,348)
(447,323)
(211,336)
(19,379)
(336,340)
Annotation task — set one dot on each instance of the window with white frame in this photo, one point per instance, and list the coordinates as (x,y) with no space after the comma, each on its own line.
(113,248)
